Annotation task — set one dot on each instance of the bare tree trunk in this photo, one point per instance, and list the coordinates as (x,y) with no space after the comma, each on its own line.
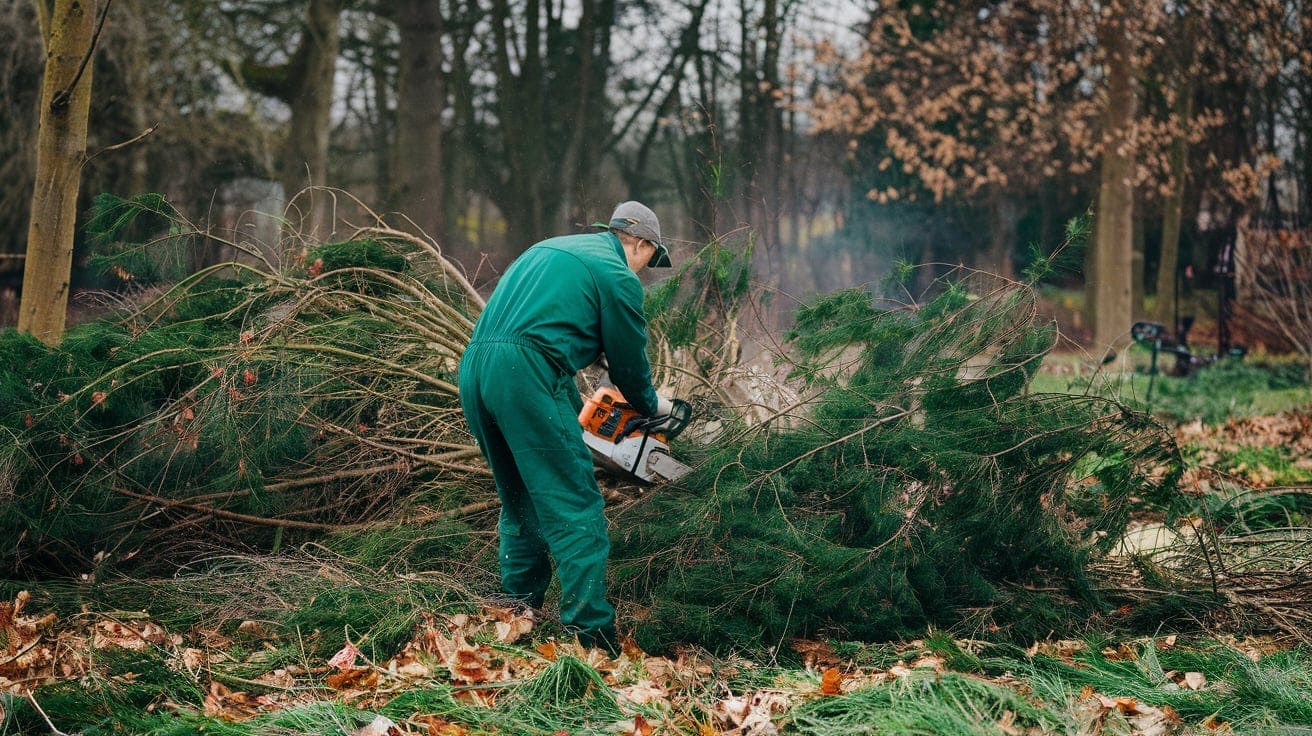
(61,151)
(1113,243)
(1003,216)
(138,82)
(1172,211)
(306,85)
(1137,262)
(421,99)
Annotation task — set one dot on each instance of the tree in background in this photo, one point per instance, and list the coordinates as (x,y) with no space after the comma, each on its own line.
(69,30)
(974,104)
(419,186)
(20,94)
(300,77)
(989,104)
(1108,281)
(490,123)
(529,83)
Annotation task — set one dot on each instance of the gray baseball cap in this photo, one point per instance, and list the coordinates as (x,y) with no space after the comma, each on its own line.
(637,219)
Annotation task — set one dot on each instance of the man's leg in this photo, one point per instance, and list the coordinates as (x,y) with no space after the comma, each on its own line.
(558,471)
(522,554)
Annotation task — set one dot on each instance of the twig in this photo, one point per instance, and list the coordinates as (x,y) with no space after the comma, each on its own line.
(851,435)
(234,516)
(31,698)
(60,98)
(235,680)
(139,137)
(20,652)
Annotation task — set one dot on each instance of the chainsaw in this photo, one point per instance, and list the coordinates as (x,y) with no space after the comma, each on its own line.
(631,444)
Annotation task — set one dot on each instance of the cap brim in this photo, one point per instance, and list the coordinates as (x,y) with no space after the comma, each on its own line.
(661,258)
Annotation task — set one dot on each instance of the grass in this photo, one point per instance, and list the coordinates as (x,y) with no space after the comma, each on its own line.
(267,626)
(273,684)
(1229,389)
(930,687)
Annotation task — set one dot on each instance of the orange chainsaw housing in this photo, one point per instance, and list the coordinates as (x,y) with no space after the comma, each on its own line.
(606,414)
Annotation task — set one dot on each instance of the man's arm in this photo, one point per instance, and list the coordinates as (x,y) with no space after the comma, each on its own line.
(624,341)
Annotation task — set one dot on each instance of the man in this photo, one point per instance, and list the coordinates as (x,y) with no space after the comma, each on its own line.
(562,303)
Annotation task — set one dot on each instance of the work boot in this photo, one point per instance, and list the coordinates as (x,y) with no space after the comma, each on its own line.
(605,639)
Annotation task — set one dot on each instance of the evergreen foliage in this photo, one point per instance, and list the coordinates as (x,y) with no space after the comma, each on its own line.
(257,401)
(923,482)
(924,703)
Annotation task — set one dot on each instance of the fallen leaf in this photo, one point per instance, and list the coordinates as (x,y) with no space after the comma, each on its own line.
(379,726)
(230,705)
(1213,723)
(831,683)
(509,631)
(899,670)
(641,693)
(345,657)
(472,665)
(1122,653)
(253,629)
(360,678)
(929,662)
(437,727)
(815,654)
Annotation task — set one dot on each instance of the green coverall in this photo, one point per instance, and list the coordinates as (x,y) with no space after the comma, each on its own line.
(563,302)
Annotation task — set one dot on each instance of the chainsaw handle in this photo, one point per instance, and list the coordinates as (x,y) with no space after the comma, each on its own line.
(669,425)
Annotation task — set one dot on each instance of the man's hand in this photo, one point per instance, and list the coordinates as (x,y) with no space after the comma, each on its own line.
(671,416)
(664,407)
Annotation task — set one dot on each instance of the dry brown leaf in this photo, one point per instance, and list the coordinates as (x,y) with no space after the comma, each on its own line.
(629,648)
(752,715)
(435,726)
(513,629)
(252,629)
(548,650)
(1122,653)
(231,705)
(815,654)
(642,692)
(1150,721)
(831,682)
(929,662)
(472,665)
(360,678)
(1213,723)
(279,678)
(379,726)
(409,663)
(115,634)
(1064,649)
(345,658)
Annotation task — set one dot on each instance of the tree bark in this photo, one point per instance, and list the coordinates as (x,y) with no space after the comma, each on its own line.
(61,151)
(1003,216)
(306,85)
(1168,264)
(1113,244)
(421,100)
